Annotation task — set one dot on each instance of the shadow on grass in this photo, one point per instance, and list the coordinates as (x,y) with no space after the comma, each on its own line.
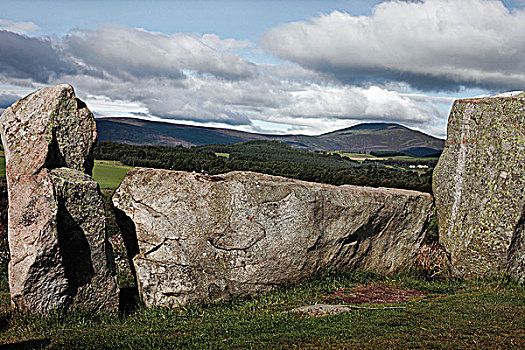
(4,323)
(27,344)
(128,301)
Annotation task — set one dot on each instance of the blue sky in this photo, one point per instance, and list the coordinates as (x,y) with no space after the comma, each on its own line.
(303,66)
(239,19)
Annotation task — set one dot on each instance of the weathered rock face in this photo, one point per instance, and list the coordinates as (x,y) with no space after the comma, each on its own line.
(59,253)
(212,237)
(479,187)
(49,128)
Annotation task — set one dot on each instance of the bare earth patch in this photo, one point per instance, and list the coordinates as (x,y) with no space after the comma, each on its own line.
(345,300)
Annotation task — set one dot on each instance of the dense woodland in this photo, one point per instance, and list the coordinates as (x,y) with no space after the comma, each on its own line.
(270,157)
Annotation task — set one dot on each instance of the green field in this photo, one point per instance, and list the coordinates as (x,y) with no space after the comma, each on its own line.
(412,158)
(107,173)
(454,315)
(362,156)
(356,156)
(225,155)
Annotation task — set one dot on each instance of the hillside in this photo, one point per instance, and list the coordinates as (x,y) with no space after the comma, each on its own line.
(359,138)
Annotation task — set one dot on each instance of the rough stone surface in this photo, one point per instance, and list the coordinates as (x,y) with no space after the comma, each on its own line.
(479,187)
(60,257)
(49,128)
(195,237)
(319,310)
(81,231)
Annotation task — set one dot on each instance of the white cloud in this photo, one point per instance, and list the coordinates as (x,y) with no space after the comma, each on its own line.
(432,44)
(102,106)
(122,71)
(292,103)
(215,41)
(131,52)
(18,27)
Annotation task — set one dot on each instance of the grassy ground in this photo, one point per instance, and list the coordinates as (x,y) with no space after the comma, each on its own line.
(109,174)
(456,315)
(411,158)
(363,156)
(225,155)
(357,156)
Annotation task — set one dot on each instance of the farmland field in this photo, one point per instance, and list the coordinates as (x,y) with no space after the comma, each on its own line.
(363,156)
(356,156)
(109,174)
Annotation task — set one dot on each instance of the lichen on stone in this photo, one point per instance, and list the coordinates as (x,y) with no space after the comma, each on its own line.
(479,184)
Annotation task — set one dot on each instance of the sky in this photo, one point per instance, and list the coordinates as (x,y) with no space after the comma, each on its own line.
(271,66)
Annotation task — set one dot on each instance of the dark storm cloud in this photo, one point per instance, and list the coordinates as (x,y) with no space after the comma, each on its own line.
(28,57)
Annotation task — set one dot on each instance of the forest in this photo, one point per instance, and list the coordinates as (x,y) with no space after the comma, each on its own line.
(274,158)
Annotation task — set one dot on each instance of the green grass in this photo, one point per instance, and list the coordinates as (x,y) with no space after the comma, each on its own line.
(412,158)
(363,156)
(107,173)
(457,315)
(225,155)
(360,157)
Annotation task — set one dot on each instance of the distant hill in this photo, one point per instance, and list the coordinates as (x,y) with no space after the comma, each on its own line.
(363,138)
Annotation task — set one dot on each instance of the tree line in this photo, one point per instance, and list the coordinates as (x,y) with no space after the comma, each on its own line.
(269,157)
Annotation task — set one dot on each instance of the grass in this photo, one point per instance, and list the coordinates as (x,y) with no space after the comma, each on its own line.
(456,315)
(107,173)
(356,156)
(412,158)
(225,155)
(362,156)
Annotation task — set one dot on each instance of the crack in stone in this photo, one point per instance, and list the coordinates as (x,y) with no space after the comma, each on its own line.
(155,248)
(154,210)
(257,240)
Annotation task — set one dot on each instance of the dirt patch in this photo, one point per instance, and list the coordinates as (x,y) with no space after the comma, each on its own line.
(375,293)
(345,300)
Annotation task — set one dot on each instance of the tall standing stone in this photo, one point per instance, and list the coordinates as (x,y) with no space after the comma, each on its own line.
(60,256)
(479,186)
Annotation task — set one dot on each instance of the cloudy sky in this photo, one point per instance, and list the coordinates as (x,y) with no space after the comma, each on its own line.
(275,66)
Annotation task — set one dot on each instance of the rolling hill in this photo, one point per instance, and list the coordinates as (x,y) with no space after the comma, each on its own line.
(363,138)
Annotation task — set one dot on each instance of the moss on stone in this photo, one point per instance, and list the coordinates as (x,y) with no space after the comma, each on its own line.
(479,183)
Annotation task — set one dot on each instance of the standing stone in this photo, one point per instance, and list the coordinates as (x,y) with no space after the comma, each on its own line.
(60,256)
(195,237)
(479,186)
(49,128)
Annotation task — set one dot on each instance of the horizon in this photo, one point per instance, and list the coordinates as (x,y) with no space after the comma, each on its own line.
(174,122)
(286,67)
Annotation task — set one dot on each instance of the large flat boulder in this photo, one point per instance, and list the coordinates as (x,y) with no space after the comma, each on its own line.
(479,186)
(60,257)
(194,237)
